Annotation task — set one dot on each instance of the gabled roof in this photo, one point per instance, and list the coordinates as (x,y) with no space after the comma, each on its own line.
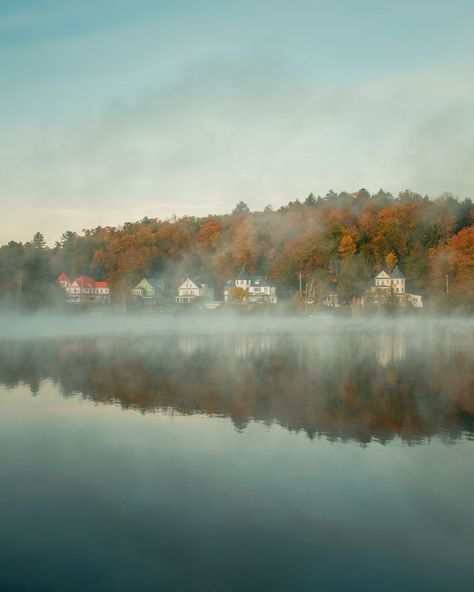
(63,278)
(254,281)
(382,274)
(84,281)
(194,283)
(258,280)
(101,285)
(157,283)
(397,274)
(244,275)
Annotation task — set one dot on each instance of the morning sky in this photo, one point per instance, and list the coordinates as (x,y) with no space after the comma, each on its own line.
(111,110)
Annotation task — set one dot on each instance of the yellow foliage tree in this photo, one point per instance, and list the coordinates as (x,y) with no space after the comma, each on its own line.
(238,295)
(391,260)
(346,246)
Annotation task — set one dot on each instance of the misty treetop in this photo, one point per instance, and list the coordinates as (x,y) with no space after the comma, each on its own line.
(343,238)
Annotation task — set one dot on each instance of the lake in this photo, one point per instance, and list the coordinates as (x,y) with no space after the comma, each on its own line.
(302,455)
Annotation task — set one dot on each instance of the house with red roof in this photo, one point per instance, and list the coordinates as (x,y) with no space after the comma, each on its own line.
(84,289)
(63,280)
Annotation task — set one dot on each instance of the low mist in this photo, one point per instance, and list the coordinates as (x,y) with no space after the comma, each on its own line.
(349,379)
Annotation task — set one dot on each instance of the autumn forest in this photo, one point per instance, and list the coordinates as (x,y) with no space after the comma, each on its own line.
(340,238)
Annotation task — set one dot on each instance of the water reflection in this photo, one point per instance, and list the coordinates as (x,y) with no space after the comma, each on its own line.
(390,348)
(349,386)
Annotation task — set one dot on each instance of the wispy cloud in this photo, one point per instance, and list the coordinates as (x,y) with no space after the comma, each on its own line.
(195,127)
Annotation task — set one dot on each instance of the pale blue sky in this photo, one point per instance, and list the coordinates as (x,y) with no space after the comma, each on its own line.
(112,110)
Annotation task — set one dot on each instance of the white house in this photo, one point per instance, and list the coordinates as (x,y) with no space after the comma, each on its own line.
(189,290)
(258,288)
(394,281)
(415,300)
(393,285)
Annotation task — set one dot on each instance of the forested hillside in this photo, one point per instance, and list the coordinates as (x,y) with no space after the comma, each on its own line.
(341,238)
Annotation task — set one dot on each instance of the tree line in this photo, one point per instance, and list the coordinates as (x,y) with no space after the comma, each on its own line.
(343,238)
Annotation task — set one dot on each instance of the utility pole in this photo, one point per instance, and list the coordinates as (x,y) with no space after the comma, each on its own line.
(301,289)
(19,280)
(447,286)
(124,300)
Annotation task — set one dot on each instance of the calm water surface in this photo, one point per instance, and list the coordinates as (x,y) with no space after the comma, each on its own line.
(330,459)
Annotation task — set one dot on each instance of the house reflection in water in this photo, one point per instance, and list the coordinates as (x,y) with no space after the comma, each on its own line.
(188,344)
(250,345)
(237,346)
(390,348)
(343,385)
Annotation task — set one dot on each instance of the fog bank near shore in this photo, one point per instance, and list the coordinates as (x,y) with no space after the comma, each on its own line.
(43,325)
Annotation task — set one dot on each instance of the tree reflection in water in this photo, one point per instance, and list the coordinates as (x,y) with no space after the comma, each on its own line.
(357,386)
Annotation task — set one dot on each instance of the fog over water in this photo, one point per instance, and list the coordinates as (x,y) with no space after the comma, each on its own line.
(211,452)
(349,379)
(49,324)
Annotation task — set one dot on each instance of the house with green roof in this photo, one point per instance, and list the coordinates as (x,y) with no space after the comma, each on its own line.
(149,290)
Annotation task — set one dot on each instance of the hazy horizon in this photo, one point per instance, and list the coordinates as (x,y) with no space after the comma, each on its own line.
(52,238)
(113,111)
